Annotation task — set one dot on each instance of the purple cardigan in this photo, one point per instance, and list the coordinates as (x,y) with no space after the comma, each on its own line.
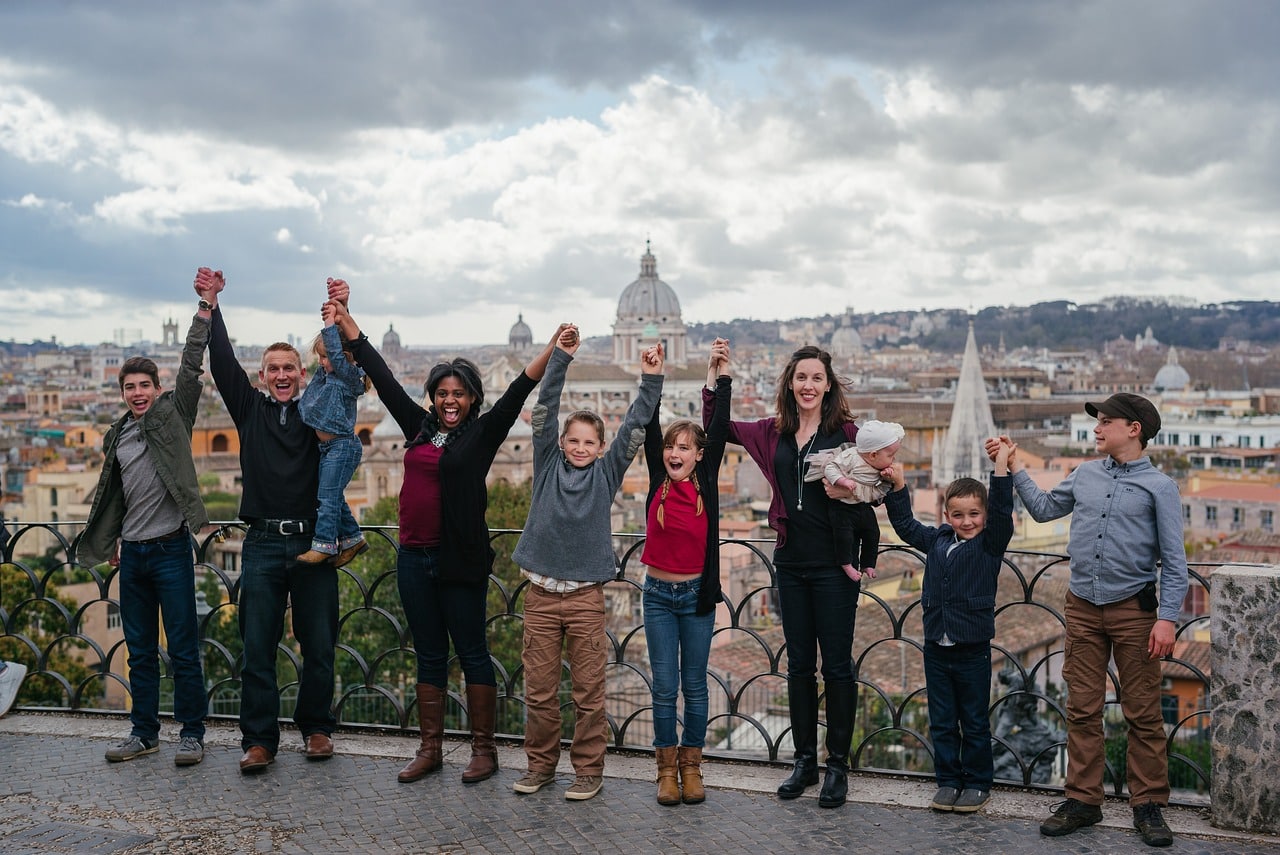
(760,439)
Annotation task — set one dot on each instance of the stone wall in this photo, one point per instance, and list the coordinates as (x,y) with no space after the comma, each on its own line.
(1245,686)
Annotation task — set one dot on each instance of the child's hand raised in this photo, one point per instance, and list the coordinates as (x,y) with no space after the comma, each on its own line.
(651,360)
(569,339)
(1005,456)
(329,312)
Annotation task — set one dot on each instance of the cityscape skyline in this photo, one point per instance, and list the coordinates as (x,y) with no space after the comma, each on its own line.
(462,164)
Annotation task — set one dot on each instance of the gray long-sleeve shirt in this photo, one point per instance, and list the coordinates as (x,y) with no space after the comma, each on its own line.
(567,535)
(1126,517)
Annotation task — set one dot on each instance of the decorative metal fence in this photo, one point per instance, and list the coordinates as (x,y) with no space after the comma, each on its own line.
(62,620)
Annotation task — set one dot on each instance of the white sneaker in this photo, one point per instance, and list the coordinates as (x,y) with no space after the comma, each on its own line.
(10,681)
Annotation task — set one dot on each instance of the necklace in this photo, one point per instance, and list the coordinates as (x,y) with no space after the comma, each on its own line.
(439,438)
(800,470)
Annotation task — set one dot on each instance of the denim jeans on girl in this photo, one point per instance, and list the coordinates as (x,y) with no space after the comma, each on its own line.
(679,645)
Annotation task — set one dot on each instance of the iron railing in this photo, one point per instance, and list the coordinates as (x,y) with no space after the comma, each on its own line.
(61,619)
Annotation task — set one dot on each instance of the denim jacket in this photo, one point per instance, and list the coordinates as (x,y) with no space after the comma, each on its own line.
(329,401)
(167,429)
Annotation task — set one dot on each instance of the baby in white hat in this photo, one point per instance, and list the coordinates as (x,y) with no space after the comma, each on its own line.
(859,466)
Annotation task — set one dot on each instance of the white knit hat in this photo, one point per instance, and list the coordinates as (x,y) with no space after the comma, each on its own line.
(874,435)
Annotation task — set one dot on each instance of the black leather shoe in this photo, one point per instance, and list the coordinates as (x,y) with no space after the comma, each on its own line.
(805,774)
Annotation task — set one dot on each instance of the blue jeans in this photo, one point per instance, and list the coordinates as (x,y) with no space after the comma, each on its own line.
(958,682)
(819,606)
(272,579)
(336,527)
(438,611)
(679,645)
(157,580)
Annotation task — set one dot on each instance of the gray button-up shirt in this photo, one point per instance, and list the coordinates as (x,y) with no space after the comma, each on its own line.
(1127,516)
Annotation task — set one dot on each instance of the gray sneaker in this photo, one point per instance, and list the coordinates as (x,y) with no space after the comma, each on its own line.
(971,799)
(533,781)
(584,787)
(945,798)
(190,751)
(134,746)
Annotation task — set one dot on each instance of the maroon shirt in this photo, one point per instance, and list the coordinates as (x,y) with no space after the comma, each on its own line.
(420,508)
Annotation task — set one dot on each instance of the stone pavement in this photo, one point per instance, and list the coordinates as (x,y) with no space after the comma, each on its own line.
(58,795)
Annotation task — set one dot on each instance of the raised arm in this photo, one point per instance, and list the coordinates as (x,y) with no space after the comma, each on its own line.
(228,375)
(999,530)
(538,365)
(187,388)
(404,409)
(722,386)
(345,371)
(715,405)
(631,433)
(545,421)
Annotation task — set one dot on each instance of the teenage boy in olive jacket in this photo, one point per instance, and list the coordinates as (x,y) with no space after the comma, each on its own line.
(144,512)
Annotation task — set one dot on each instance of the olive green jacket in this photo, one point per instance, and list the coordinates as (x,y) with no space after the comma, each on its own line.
(166,427)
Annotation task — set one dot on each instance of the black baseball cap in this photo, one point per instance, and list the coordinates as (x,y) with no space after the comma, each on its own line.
(1131,407)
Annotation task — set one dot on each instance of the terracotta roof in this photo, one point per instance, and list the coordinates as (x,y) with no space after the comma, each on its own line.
(1193,653)
(1238,492)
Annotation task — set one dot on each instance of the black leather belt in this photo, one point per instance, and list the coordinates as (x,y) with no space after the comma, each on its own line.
(283,526)
(180,531)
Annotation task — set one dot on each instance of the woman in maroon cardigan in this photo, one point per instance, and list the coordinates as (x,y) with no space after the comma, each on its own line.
(444,560)
(817,599)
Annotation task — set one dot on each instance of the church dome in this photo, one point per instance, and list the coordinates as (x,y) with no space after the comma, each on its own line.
(1171,375)
(648,298)
(391,340)
(845,342)
(520,337)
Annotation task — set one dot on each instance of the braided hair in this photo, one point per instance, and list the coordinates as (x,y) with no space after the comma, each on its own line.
(677,429)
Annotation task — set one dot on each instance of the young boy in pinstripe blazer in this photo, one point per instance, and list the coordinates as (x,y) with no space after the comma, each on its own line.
(962,564)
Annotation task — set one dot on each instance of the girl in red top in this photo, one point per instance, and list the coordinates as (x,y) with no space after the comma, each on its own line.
(682,584)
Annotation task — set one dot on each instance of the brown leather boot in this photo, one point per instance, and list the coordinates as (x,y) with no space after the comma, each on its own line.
(482,708)
(691,775)
(431,725)
(668,785)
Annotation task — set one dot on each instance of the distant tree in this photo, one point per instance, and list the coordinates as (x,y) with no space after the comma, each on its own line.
(48,623)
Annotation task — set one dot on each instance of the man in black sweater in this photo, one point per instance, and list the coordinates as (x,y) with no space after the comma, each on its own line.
(279,465)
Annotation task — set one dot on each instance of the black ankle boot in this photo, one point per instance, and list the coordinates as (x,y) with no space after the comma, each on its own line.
(835,786)
(805,774)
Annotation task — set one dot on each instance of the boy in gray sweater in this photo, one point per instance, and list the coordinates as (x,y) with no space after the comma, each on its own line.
(566,552)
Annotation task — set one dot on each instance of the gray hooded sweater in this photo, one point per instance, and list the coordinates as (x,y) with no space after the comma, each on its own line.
(567,535)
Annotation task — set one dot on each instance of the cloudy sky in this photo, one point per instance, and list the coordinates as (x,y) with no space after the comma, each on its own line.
(460,162)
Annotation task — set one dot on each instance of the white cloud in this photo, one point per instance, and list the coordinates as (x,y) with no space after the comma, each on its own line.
(786,191)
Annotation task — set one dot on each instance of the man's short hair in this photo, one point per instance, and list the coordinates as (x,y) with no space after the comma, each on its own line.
(278,346)
(139,365)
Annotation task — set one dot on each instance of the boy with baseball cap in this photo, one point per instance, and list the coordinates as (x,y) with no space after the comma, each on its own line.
(1127,517)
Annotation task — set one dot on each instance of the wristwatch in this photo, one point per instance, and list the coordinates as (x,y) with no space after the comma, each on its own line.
(205,305)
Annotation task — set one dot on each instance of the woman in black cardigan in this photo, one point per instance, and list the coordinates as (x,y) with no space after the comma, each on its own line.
(444,560)
(682,580)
